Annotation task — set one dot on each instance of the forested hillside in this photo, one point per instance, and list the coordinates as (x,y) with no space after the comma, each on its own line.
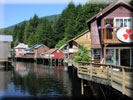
(11,28)
(70,23)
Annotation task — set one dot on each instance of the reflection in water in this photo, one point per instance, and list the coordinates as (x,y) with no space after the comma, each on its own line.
(37,80)
(5,79)
(41,80)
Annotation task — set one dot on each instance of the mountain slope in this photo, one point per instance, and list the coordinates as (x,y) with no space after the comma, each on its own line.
(50,18)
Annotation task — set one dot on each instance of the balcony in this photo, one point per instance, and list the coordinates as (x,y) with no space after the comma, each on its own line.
(73,50)
(108,36)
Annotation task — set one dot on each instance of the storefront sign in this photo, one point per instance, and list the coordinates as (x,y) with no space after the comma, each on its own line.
(125,34)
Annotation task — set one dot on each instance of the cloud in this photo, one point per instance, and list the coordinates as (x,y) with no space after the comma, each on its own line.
(41,1)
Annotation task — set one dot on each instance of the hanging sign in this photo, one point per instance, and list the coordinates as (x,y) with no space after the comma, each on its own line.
(125,34)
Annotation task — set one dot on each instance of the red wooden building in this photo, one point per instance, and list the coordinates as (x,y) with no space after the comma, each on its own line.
(109,44)
(54,54)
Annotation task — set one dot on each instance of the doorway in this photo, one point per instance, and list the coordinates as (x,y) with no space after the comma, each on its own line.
(125,57)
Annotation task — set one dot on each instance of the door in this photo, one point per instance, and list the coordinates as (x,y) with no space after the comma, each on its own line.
(125,57)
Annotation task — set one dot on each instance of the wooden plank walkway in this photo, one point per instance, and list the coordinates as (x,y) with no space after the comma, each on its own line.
(3,60)
(119,77)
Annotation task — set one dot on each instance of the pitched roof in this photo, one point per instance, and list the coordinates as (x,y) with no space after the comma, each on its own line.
(108,8)
(30,48)
(38,46)
(50,51)
(7,38)
(21,45)
(78,36)
(62,46)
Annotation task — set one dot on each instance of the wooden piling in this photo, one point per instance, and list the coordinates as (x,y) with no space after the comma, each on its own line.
(82,87)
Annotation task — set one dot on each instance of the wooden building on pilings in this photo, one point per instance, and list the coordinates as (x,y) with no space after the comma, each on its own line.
(53,56)
(72,46)
(30,53)
(111,43)
(112,34)
(5,49)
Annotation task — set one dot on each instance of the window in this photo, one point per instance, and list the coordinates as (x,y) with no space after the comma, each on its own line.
(86,36)
(123,22)
(119,22)
(127,23)
(96,54)
(110,56)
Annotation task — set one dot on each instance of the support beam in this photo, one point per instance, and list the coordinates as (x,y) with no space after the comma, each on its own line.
(105,53)
(123,81)
(82,87)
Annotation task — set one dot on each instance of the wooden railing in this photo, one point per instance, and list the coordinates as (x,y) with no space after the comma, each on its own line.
(119,77)
(109,35)
(4,60)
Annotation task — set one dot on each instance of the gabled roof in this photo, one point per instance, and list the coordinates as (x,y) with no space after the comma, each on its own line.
(7,38)
(38,46)
(21,46)
(30,48)
(78,36)
(50,51)
(108,8)
(35,47)
(62,46)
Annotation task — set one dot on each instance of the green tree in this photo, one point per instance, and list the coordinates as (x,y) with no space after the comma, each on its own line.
(83,54)
(30,30)
(61,42)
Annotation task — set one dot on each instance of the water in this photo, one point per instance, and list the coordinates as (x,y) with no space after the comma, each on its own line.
(36,81)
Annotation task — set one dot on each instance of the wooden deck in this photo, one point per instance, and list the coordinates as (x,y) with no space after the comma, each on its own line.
(119,77)
(4,60)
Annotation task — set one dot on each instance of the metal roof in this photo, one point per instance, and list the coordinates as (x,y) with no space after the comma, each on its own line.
(38,46)
(21,45)
(34,47)
(6,38)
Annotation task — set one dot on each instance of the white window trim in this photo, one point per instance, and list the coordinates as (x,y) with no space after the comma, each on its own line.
(130,48)
(123,19)
(87,36)
(96,54)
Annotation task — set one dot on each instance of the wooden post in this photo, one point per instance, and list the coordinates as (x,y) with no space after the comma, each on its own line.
(105,45)
(42,61)
(123,81)
(102,34)
(82,87)
(108,76)
(111,75)
(91,71)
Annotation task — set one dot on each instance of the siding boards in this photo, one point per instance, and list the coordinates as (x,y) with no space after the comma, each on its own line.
(4,50)
(95,43)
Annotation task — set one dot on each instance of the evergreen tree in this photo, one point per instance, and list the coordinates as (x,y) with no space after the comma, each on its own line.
(71,23)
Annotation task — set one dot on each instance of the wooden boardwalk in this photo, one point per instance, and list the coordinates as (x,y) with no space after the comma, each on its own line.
(3,60)
(119,77)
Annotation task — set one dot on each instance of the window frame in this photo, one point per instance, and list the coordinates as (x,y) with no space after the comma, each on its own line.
(123,18)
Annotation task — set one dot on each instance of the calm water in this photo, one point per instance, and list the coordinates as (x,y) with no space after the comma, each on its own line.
(36,81)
